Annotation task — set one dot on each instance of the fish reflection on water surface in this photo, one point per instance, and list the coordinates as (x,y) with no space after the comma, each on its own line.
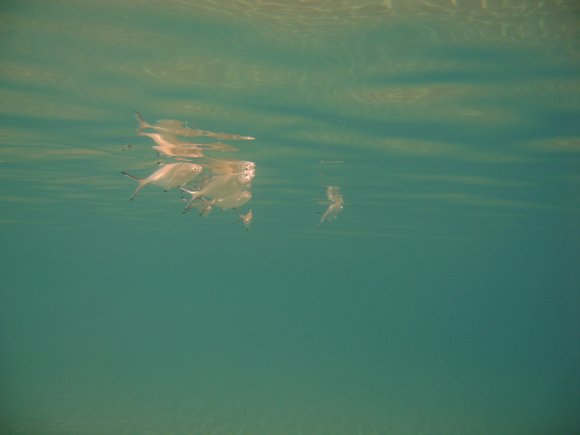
(210,182)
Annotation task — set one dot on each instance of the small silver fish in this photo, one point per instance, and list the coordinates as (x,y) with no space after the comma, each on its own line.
(234,200)
(223,185)
(168,176)
(218,186)
(334,208)
(246,219)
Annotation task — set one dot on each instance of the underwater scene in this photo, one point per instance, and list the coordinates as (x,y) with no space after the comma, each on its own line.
(290,217)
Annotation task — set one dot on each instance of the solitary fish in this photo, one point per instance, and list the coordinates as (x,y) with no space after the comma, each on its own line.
(168,176)
(246,219)
(335,207)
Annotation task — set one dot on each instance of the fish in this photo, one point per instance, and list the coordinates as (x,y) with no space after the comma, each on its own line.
(220,183)
(202,206)
(333,193)
(334,208)
(246,219)
(163,140)
(168,176)
(169,126)
(178,128)
(168,145)
(224,166)
(234,200)
(218,186)
(331,213)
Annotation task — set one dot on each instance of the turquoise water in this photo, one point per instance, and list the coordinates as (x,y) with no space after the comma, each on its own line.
(443,299)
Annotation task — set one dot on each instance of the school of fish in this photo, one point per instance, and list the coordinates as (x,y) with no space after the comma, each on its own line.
(207,183)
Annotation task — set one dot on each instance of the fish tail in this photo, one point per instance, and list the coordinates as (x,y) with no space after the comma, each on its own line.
(194,196)
(142,183)
(142,123)
(189,206)
(320,223)
(206,210)
(206,207)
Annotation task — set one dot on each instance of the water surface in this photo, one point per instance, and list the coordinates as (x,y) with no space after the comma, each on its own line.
(442,299)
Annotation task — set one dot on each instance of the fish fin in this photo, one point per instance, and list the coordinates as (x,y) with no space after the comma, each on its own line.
(130,176)
(207,207)
(187,207)
(142,183)
(183,189)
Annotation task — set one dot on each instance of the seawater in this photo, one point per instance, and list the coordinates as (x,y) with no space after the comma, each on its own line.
(443,299)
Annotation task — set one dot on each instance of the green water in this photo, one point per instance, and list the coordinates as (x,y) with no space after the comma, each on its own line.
(442,300)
